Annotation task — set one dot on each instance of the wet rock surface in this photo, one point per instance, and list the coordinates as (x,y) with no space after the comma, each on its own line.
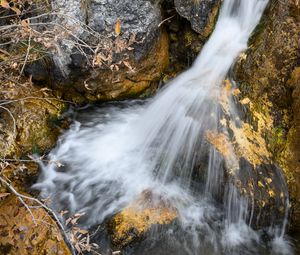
(134,221)
(267,76)
(248,162)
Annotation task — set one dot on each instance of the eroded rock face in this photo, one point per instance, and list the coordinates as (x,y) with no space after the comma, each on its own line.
(267,77)
(106,49)
(19,234)
(201,13)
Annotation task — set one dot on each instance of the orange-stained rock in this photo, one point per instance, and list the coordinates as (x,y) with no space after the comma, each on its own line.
(133,221)
(20,236)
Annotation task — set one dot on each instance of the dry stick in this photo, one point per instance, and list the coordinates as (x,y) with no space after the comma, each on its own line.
(162,22)
(27,53)
(22,160)
(12,117)
(82,24)
(5,102)
(50,211)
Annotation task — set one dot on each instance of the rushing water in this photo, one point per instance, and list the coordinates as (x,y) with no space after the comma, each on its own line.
(113,154)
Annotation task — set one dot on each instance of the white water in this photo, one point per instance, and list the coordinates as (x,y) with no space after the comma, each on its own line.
(118,153)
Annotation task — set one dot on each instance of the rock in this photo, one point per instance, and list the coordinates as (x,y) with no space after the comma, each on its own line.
(29,122)
(291,154)
(19,235)
(105,49)
(201,13)
(137,218)
(248,161)
(265,75)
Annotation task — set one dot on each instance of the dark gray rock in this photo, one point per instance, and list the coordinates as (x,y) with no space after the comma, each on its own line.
(96,57)
(201,13)
(92,22)
(139,17)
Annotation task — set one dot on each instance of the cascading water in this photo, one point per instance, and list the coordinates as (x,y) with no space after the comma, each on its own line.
(115,154)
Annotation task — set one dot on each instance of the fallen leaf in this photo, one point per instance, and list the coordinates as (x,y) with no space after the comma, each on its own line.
(4,194)
(4,4)
(16,10)
(118,27)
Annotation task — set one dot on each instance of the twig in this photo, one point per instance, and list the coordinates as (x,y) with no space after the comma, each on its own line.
(27,53)
(162,22)
(21,160)
(5,102)
(13,118)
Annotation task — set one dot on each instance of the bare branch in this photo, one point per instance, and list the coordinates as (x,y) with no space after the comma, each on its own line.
(27,53)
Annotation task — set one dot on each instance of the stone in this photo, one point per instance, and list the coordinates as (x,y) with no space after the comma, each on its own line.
(136,219)
(201,13)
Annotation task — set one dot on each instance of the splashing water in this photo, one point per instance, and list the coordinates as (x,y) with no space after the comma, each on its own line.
(115,153)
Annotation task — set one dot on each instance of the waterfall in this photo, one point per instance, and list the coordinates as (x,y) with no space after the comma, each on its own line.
(114,153)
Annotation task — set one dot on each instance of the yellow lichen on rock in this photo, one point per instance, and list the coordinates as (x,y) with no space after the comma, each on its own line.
(138,217)
(19,234)
(224,146)
(220,141)
(248,142)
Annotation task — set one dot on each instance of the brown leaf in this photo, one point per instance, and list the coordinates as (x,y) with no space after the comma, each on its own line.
(118,27)
(4,4)
(16,10)
(4,194)
(127,64)
(25,23)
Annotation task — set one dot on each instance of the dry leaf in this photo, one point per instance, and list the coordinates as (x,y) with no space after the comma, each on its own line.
(4,4)
(127,64)
(16,10)
(4,194)
(118,27)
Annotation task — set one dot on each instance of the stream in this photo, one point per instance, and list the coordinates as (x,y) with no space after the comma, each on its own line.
(113,155)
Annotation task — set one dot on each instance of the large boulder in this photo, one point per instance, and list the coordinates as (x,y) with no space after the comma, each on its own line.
(104,49)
